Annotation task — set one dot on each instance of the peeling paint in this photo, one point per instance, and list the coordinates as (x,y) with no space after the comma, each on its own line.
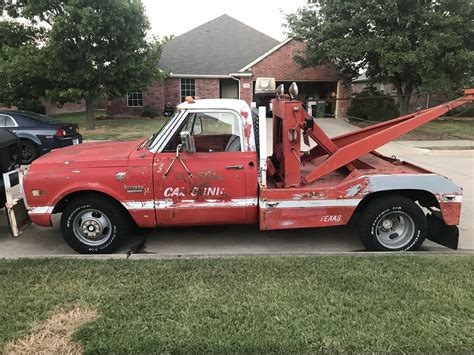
(353,190)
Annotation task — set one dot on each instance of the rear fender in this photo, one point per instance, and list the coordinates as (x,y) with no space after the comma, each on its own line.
(431,190)
(30,137)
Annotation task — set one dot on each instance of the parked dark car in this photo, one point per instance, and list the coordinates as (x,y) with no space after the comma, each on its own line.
(9,159)
(38,133)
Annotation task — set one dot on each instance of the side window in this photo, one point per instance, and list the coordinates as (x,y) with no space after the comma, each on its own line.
(9,122)
(212,132)
(3,120)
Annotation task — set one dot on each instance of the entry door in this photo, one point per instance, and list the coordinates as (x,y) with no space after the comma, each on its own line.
(208,185)
(229,89)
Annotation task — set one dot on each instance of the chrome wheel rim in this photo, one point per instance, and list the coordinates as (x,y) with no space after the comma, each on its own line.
(92,227)
(394,230)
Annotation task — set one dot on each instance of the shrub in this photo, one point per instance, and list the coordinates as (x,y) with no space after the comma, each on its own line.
(372,105)
(33,106)
(149,111)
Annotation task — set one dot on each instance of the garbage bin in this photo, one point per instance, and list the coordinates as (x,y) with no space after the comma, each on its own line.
(319,110)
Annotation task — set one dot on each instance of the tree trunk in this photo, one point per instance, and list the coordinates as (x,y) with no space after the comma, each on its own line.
(404,95)
(90,113)
(404,104)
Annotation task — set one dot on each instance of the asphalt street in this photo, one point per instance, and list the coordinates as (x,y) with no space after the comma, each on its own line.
(458,165)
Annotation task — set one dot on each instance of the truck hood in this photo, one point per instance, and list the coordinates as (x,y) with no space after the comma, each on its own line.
(103,154)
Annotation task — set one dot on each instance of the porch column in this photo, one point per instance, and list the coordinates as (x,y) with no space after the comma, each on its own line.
(343,98)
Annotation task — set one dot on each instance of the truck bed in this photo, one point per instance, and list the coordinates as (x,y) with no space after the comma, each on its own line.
(369,164)
(332,199)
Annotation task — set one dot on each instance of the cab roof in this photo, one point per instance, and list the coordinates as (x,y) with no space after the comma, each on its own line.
(229,104)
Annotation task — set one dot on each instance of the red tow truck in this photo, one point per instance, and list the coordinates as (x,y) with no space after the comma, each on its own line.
(208,165)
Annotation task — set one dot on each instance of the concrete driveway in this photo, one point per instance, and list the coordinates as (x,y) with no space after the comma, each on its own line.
(248,240)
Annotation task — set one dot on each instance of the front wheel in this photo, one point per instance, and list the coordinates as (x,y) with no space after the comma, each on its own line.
(392,223)
(93,225)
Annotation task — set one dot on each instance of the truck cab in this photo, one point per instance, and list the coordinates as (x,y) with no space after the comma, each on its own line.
(214,179)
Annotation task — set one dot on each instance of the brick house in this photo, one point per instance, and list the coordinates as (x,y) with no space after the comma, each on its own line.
(222,59)
(416,100)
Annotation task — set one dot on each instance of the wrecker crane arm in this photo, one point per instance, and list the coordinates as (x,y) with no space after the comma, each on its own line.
(353,145)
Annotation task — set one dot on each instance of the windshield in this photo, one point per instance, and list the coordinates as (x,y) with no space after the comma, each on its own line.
(167,123)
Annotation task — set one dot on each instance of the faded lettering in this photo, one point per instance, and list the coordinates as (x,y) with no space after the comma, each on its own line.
(196,191)
(331,218)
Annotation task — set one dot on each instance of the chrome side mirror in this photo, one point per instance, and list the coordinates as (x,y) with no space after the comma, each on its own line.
(187,141)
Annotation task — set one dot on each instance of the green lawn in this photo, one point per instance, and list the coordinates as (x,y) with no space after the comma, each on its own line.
(435,130)
(440,130)
(254,305)
(115,129)
(133,128)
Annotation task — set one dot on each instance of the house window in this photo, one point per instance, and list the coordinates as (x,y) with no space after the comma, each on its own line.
(135,99)
(188,88)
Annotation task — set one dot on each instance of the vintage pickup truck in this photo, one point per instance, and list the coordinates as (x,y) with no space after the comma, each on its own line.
(209,165)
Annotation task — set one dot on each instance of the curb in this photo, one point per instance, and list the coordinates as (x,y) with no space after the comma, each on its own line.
(146,256)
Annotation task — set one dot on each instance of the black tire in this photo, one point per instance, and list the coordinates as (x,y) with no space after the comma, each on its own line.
(392,223)
(28,152)
(105,216)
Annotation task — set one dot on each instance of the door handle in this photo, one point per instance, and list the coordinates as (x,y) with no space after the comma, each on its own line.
(234,167)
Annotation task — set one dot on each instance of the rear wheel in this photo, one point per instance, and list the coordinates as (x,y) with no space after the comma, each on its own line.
(94,224)
(392,223)
(28,152)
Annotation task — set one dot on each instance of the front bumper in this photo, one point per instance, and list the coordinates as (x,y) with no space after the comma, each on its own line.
(42,219)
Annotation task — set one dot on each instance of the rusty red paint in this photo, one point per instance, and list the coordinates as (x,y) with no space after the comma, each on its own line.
(304,217)
(247,131)
(451,212)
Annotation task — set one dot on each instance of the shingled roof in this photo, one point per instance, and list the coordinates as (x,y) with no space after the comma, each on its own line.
(219,47)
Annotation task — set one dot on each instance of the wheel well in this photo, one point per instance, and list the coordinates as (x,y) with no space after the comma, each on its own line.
(59,207)
(424,198)
(23,139)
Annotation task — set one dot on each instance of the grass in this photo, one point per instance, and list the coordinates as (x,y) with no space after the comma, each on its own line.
(134,128)
(441,130)
(436,130)
(114,129)
(250,305)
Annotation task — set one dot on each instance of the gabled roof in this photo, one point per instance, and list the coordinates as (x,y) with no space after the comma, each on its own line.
(219,47)
(264,55)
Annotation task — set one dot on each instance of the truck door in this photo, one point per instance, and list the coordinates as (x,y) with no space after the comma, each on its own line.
(207,186)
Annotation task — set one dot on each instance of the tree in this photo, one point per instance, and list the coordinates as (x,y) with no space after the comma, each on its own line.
(22,71)
(372,105)
(424,45)
(94,49)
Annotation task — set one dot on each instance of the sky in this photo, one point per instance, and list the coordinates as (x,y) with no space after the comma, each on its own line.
(175,17)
